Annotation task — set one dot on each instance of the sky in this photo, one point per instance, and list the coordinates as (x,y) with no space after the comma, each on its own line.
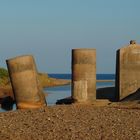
(50,29)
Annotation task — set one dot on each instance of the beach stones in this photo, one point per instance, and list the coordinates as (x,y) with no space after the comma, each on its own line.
(23,75)
(127,70)
(84,75)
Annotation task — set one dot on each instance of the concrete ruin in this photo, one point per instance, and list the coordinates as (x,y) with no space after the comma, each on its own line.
(84,75)
(127,70)
(23,75)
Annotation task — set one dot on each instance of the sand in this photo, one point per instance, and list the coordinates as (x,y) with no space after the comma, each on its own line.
(72,122)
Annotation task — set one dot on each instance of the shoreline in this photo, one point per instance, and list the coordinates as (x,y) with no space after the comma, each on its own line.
(105,81)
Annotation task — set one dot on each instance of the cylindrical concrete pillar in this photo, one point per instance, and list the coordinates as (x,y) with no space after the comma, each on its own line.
(84,75)
(25,84)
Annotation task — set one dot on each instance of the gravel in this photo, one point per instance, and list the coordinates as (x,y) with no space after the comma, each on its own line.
(71,122)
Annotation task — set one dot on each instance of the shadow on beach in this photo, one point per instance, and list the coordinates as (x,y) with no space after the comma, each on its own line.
(7,103)
(106,93)
(101,93)
(135,96)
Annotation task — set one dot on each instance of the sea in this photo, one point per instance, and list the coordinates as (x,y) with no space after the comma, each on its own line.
(53,94)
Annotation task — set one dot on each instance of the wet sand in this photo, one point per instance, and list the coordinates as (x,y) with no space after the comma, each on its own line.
(72,122)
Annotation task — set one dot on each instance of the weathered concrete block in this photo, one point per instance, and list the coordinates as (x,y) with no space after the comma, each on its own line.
(25,84)
(84,74)
(127,70)
(80,91)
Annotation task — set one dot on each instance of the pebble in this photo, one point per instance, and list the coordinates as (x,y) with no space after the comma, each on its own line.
(70,122)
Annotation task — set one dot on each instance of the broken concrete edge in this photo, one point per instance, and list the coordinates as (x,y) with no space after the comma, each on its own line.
(30,105)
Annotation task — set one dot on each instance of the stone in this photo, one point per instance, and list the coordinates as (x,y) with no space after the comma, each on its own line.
(127,70)
(84,75)
(24,79)
(80,90)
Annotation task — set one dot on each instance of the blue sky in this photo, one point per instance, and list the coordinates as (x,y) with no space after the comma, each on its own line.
(49,29)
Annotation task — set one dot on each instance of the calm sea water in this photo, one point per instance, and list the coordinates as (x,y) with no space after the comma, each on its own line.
(98,76)
(56,93)
(60,92)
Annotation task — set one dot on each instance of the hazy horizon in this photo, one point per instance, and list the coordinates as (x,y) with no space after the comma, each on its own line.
(50,29)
